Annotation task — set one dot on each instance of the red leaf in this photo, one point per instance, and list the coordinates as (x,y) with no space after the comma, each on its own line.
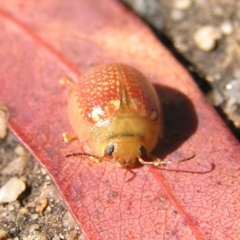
(43,41)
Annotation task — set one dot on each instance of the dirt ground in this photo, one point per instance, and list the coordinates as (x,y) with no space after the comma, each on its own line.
(39,212)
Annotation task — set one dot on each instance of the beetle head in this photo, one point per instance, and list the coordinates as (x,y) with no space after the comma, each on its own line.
(125,152)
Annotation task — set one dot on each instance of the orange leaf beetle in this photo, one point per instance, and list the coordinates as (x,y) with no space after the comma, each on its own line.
(115,109)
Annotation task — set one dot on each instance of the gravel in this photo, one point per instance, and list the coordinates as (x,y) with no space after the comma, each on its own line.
(10,191)
(206,37)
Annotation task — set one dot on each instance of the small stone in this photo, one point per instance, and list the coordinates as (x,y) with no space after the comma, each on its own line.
(226,28)
(206,38)
(71,235)
(182,4)
(14,231)
(81,237)
(47,177)
(215,98)
(22,212)
(11,190)
(42,206)
(11,208)
(48,209)
(68,221)
(34,216)
(218,10)
(4,235)
(20,150)
(213,77)
(177,15)
(16,166)
(61,236)
(233,89)
(35,236)
(54,193)
(43,171)
(180,44)
(232,95)
(56,237)
(3,128)
(33,228)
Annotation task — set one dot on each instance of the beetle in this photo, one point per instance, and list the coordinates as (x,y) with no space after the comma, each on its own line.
(115,109)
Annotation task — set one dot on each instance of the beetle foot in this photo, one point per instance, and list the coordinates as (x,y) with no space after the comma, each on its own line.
(95,160)
(68,137)
(66,81)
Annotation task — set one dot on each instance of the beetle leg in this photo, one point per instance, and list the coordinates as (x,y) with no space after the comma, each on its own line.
(66,81)
(68,137)
(159,162)
(95,160)
(156,162)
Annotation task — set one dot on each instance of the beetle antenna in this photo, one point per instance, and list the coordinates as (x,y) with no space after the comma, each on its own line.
(81,154)
(159,162)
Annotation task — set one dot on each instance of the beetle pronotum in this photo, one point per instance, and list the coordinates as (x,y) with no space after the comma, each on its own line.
(115,109)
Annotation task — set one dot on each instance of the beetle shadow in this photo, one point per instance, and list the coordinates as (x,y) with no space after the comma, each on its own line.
(179,120)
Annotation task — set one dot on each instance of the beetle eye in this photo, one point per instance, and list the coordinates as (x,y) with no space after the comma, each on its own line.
(110,150)
(143,151)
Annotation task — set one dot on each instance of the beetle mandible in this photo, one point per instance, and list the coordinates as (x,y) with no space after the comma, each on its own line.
(115,109)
